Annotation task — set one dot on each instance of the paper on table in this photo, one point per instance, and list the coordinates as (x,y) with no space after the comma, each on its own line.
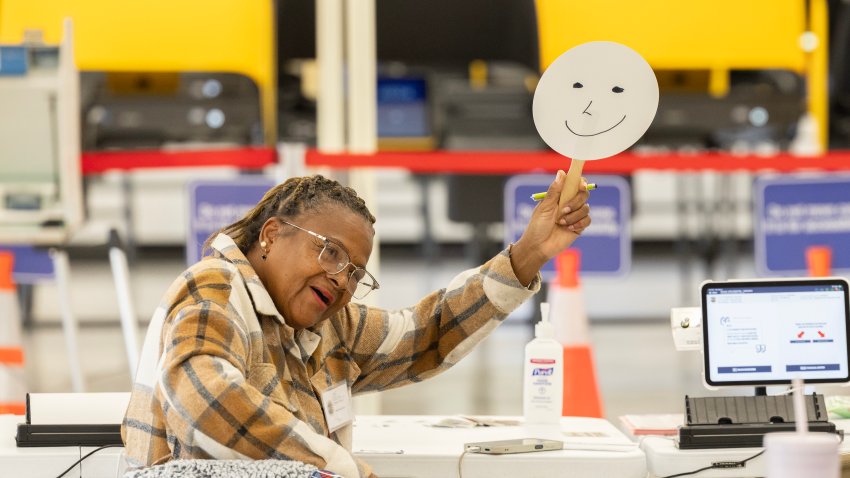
(653,424)
(622,447)
(77,408)
(468,421)
(598,439)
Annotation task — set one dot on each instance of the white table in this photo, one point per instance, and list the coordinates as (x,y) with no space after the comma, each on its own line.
(48,462)
(594,448)
(664,458)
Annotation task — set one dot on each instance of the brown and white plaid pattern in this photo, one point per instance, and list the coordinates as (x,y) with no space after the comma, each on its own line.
(223,377)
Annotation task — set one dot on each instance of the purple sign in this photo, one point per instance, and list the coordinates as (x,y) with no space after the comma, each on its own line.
(606,246)
(793,213)
(31,264)
(215,204)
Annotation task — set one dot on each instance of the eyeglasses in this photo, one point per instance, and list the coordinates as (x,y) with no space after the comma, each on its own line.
(334,260)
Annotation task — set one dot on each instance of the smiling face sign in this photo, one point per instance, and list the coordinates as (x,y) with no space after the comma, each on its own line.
(595,100)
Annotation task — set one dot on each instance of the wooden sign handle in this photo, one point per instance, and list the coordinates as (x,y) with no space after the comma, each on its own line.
(572,182)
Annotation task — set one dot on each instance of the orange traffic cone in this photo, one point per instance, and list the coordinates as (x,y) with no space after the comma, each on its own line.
(581,392)
(819,261)
(12,381)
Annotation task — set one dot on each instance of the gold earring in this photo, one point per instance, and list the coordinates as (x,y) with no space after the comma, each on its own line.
(263,245)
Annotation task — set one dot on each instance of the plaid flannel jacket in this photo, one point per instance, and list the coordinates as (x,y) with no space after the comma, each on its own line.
(223,377)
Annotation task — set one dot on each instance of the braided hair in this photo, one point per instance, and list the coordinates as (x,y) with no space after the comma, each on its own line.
(289,199)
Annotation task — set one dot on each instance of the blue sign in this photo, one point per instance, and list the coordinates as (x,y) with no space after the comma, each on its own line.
(31,264)
(215,204)
(606,246)
(13,60)
(403,108)
(793,213)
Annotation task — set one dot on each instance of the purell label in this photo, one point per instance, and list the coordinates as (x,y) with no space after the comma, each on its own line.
(543,371)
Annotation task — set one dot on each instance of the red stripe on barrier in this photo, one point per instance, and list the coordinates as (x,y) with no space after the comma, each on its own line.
(501,162)
(465,162)
(11,356)
(95,162)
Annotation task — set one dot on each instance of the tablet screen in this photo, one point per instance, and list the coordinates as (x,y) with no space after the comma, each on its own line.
(769,332)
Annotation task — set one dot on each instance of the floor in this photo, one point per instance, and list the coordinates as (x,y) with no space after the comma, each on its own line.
(637,368)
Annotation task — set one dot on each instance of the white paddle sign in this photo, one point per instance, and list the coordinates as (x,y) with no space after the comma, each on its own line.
(594,101)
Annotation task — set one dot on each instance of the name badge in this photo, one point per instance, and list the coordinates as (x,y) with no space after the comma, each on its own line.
(336,403)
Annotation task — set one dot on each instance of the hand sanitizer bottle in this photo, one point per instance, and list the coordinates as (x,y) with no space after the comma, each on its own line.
(543,379)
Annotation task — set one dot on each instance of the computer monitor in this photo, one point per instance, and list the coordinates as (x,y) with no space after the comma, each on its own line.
(768,332)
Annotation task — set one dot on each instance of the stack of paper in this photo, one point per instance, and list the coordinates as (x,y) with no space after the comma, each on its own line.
(653,424)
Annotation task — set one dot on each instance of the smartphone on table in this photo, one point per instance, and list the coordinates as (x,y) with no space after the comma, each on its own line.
(520,445)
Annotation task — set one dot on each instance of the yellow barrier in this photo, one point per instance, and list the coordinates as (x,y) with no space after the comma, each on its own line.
(712,35)
(160,36)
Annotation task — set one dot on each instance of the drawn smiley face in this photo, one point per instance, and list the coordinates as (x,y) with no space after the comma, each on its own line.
(589,110)
(595,100)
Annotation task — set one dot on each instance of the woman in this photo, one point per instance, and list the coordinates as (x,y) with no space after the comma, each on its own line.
(254,351)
